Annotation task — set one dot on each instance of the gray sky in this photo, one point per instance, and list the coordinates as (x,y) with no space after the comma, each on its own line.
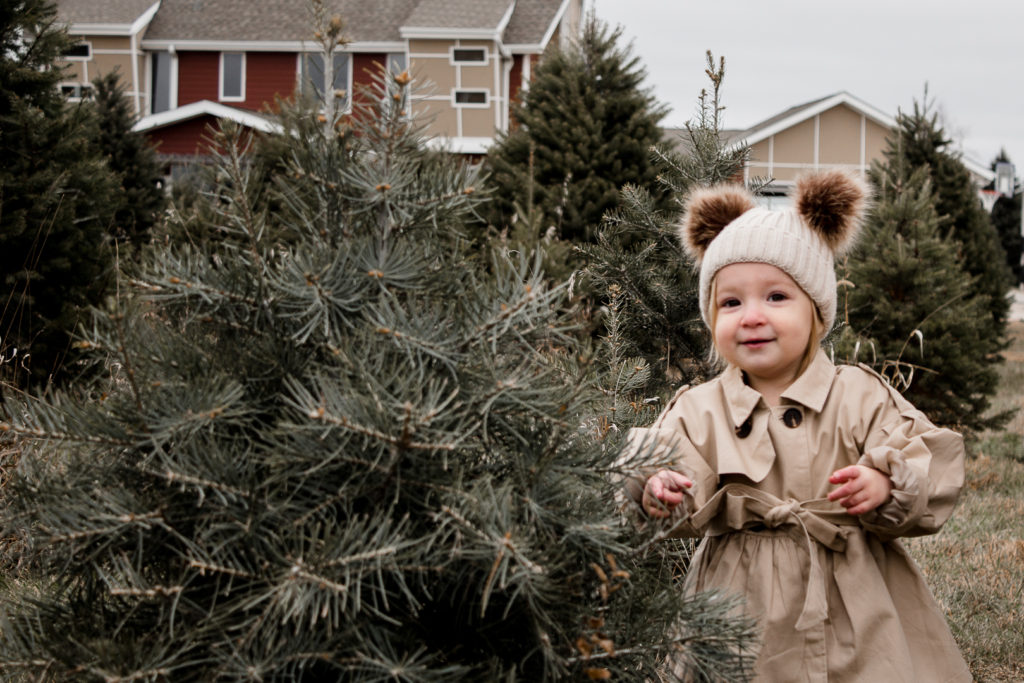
(787,52)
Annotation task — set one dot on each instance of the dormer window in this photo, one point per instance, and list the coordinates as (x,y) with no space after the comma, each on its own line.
(468,55)
(232,76)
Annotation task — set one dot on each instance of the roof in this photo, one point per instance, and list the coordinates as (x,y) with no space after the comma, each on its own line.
(459,14)
(108,13)
(533,21)
(207,108)
(527,24)
(274,21)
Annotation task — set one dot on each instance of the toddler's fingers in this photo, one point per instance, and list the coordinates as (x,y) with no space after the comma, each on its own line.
(844,474)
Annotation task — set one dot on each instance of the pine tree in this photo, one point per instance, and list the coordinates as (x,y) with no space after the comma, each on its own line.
(1006,219)
(129,155)
(359,453)
(921,142)
(582,130)
(911,310)
(655,281)
(54,200)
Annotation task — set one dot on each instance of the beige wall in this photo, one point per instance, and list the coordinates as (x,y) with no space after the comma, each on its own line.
(840,136)
(432,67)
(110,53)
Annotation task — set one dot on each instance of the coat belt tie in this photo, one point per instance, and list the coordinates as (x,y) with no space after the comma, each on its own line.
(737,506)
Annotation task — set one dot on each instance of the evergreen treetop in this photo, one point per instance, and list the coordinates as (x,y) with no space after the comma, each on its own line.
(582,129)
(920,142)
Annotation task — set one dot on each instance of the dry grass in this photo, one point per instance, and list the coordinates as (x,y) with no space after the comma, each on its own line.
(975,565)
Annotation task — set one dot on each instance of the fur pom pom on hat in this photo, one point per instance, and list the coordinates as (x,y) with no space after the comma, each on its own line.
(723,225)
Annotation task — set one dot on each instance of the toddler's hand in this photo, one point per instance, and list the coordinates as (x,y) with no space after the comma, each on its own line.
(863,489)
(663,491)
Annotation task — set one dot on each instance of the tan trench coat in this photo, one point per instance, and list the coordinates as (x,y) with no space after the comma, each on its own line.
(837,597)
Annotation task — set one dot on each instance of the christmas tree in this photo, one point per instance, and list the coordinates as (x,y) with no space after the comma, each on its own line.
(910,307)
(581,131)
(132,158)
(920,142)
(55,208)
(338,445)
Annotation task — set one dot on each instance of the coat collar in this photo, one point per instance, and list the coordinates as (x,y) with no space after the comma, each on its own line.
(810,389)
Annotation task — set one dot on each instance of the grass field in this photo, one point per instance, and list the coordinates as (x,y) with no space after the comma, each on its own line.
(975,565)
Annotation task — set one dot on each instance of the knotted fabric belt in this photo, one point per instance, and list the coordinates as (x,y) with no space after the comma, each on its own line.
(737,506)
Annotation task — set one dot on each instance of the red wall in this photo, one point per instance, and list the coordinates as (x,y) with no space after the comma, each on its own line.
(266,74)
(183,138)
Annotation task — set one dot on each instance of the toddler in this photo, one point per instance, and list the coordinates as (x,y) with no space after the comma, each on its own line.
(800,475)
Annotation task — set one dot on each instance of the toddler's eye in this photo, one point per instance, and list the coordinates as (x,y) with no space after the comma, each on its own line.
(729,303)
(777,296)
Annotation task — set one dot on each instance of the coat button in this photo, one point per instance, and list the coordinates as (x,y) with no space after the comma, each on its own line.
(792,418)
(743,431)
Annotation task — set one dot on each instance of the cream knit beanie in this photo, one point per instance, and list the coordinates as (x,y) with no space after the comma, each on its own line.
(723,225)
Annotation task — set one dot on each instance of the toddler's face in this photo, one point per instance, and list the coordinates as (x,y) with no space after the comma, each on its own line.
(763,322)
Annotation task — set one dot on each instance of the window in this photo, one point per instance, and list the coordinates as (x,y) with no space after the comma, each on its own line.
(161,82)
(232,76)
(313,77)
(76,91)
(79,52)
(471,98)
(468,55)
(396,62)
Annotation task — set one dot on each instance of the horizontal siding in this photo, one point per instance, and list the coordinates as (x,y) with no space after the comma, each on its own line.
(268,74)
(198,77)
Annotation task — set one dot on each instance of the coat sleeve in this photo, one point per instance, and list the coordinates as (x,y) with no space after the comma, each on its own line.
(665,444)
(924,462)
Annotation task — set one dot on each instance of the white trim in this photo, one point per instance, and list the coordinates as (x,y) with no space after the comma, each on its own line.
(817,140)
(471,105)
(133,42)
(173,99)
(268,46)
(145,18)
(461,145)
(449,33)
(863,142)
(100,29)
(204,108)
(115,51)
(220,80)
(555,22)
(466,62)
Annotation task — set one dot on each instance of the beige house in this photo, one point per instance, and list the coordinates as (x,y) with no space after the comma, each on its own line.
(838,131)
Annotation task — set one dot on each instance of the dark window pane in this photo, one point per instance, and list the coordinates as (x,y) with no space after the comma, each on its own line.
(80,51)
(469,55)
(470,97)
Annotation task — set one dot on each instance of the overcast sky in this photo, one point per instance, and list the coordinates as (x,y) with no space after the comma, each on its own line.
(787,52)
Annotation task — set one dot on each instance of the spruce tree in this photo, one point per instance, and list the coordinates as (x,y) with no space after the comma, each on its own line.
(582,130)
(920,142)
(130,156)
(55,207)
(638,253)
(358,453)
(912,312)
